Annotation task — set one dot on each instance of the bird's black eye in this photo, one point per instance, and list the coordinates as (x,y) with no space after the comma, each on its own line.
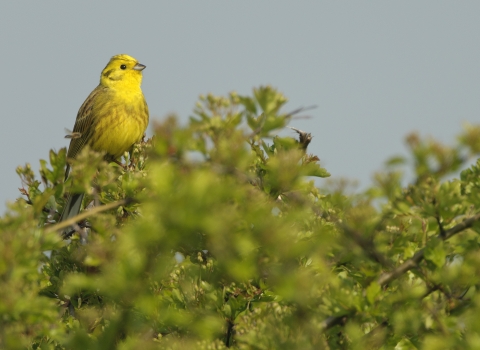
(123,66)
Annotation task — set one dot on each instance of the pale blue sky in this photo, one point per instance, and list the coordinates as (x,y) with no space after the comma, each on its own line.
(376,70)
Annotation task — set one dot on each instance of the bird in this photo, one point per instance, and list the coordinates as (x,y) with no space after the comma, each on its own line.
(111,120)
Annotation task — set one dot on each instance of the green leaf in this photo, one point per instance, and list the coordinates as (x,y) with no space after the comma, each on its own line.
(435,252)
(313,169)
(372,291)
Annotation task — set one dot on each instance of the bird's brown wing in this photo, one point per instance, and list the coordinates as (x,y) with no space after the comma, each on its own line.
(84,123)
(83,126)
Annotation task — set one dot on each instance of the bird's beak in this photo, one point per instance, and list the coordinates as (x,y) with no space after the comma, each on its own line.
(139,66)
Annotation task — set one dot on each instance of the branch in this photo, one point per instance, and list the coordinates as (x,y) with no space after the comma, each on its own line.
(406,266)
(366,245)
(64,224)
(412,262)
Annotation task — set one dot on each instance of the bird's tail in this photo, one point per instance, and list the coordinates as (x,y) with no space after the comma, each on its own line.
(72,206)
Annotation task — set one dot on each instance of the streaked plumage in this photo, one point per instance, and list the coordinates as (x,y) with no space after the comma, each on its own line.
(113,117)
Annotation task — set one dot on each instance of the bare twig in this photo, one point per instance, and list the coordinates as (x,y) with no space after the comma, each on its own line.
(301,109)
(88,213)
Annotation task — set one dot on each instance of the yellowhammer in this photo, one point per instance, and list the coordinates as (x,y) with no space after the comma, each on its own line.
(113,117)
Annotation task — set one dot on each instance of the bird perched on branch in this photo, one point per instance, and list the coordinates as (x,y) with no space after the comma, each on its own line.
(113,118)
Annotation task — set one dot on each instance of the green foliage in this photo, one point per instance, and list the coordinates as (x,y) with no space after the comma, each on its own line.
(214,235)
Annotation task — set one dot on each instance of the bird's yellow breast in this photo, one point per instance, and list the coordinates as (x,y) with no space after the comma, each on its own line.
(119,122)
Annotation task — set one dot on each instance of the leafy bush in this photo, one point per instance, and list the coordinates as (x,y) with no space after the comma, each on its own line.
(215,235)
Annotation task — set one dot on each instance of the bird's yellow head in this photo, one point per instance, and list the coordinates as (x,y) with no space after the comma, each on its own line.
(122,71)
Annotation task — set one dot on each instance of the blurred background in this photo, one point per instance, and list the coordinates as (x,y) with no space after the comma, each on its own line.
(375,70)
